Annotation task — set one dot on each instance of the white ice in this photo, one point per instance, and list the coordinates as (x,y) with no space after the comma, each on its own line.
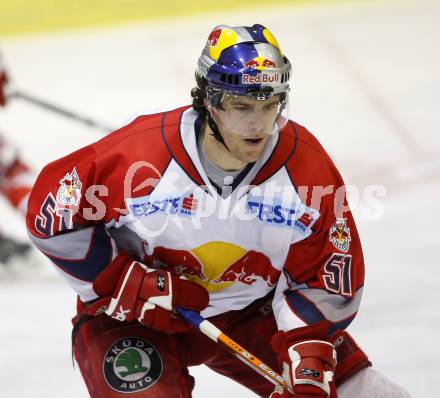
(366,82)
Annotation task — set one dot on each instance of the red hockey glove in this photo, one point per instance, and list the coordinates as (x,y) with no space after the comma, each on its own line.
(351,359)
(3,81)
(149,296)
(308,364)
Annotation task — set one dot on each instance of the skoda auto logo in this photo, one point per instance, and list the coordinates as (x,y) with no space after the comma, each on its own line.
(132,364)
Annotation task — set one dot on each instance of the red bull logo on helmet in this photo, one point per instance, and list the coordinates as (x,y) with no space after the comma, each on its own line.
(267,63)
(260,63)
(214,38)
(261,78)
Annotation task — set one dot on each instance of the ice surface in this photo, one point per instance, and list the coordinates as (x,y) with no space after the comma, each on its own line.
(366,81)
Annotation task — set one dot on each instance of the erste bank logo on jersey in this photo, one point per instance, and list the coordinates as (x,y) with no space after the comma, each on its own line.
(275,212)
(185,204)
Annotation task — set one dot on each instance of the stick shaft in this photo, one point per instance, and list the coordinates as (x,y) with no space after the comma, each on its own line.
(215,334)
(57,109)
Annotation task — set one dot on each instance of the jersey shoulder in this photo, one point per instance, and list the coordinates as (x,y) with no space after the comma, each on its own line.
(143,132)
(139,141)
(133,158)
(310,163)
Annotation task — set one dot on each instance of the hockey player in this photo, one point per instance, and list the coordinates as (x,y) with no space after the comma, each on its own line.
(226,207)
(16,181)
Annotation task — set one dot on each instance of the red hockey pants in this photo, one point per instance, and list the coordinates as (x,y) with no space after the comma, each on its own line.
(116,357)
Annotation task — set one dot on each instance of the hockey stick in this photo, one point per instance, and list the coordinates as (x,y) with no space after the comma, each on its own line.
(57,109)
(215,334)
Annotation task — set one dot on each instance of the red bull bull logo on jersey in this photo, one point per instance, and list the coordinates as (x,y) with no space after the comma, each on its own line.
(183,262)
(248,269)
(218,265)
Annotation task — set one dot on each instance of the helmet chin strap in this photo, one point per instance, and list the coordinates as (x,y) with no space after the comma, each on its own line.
(215,131)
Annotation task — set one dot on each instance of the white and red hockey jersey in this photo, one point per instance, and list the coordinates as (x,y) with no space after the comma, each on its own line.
(285,226)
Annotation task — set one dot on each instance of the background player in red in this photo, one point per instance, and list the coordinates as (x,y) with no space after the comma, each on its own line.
(16,180)
(226,207)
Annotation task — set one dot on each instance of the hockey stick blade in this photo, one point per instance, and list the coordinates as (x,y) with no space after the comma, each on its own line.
(215,334)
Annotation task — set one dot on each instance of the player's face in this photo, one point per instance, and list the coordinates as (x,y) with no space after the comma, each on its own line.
(246,124)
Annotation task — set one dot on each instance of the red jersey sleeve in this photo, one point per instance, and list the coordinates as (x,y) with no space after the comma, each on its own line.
(80,248)
(324,273)
(78,198)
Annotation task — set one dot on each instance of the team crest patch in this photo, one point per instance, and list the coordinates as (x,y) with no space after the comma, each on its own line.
(69,192)
(132,364)
(339,235)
